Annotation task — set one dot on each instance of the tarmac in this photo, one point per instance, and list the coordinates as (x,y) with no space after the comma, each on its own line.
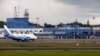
(49,48)
(57,40)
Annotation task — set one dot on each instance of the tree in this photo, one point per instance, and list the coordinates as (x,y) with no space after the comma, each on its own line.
(48,25)
(2,23)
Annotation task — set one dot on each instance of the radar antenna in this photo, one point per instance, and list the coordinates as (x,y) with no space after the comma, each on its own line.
(26,13)
(15,12)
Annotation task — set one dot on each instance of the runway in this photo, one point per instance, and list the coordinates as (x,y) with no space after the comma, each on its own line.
(68,40)
(49,48)
(57,40)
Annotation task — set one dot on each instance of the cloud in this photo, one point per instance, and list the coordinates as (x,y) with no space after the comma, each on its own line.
(90,6)
(82,3)
(48,10)
(88,9)
(52,11)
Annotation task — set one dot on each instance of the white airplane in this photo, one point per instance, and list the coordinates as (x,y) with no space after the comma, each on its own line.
(18,37)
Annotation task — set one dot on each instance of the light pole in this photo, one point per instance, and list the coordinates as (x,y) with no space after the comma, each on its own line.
(93,28)
(19,6)
(37,22)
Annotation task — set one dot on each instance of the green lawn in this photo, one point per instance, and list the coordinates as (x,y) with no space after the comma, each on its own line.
(49,53)
(48,44)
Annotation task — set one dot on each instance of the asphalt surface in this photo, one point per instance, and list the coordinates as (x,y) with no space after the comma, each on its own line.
(68,40)
(49,48)
(56,40)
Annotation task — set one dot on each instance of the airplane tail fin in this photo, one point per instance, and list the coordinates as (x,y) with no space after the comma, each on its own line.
(6,30)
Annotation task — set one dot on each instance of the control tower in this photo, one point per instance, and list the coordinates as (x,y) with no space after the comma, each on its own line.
(19,22)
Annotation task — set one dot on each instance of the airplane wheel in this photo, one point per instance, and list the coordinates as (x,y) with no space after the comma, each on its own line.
(33,39)
(22,41)
(18,40)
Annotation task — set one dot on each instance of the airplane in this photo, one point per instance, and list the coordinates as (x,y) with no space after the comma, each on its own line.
(18,37)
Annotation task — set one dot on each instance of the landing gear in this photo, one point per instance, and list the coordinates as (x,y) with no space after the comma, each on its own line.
(18,40)
(33,39)
(24,40)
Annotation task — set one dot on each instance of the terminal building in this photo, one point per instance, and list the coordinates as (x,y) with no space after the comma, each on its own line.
(72,31)
(20,25)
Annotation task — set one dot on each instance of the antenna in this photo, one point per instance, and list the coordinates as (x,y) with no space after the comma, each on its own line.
(26,13)
(15,12)
(18,9)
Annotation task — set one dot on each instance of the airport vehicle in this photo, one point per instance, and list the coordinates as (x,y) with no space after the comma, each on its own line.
(18,37)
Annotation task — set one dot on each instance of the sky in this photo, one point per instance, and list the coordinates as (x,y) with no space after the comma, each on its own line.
(53,11)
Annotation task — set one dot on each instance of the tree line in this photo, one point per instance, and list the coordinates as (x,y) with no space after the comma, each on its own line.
(46,25)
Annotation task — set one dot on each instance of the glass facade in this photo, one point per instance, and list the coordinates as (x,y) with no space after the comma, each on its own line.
(19,23)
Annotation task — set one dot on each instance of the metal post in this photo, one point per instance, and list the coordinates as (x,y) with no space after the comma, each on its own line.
(93,28)
(94,32)
(74,32)
(37,23)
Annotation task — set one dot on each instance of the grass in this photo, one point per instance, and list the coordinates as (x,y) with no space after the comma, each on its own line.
(49,53)
(46,44)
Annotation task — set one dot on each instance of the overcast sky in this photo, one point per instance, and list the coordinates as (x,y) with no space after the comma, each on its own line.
(53,11)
